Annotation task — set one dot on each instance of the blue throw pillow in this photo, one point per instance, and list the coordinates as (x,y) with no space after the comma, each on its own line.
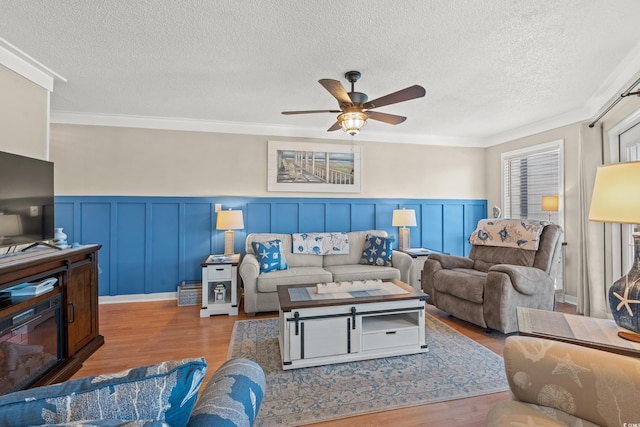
(270,255)
(377,250)
(163,392)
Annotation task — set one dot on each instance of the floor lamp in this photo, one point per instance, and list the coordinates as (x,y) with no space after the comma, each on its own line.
(403,218)
(229,220)
(616,199)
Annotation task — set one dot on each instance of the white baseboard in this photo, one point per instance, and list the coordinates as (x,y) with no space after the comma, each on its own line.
(164,296)
(160,296)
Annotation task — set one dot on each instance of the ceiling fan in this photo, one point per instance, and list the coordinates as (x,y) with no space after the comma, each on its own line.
(355,108)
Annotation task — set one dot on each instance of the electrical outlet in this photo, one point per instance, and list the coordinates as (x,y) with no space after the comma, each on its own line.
(33,211)
(218,207)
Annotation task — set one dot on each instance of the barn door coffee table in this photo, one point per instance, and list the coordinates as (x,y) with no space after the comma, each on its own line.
(316,329)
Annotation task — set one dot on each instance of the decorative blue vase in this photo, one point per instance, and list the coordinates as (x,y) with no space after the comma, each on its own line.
(60,238)
(624,294)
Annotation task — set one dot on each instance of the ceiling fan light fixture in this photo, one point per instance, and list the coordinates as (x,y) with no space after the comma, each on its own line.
(355,107)
(351,122)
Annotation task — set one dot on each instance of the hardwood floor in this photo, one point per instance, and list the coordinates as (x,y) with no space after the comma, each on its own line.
(148,332)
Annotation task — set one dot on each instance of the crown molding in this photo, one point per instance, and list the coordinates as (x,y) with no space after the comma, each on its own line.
(616,83)
(566,119)
(26,66)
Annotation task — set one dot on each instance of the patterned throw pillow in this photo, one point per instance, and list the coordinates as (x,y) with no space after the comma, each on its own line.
(320,243)
(377,250)
(163,392)
(270,255)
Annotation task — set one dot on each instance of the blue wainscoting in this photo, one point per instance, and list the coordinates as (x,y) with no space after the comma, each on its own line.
(151,244)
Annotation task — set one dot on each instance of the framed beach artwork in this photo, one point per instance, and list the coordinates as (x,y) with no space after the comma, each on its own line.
(313,167)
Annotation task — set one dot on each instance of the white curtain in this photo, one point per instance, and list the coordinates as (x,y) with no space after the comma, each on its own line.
(628,149)
(592,298)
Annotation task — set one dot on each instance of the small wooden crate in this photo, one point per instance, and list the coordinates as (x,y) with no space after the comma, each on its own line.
(190,292)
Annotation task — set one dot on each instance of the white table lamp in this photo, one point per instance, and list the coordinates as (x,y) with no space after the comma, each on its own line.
(229,220)
(404,218)
(550,204)
(616,199)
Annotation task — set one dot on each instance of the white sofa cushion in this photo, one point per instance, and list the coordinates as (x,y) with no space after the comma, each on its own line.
(268,282)
(342,273)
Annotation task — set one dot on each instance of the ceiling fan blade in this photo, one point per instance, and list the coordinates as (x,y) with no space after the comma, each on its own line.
(335,126)
(392,119)
(311,112)
(405,94)
(336,89)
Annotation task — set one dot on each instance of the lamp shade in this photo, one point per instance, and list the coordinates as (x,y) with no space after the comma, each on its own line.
(404,218)
(230,220)
(616,194)
(550,203)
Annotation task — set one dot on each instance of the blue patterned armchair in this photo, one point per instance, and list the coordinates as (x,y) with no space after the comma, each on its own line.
(151,396)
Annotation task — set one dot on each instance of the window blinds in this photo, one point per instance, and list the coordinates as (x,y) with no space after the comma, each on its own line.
(528,177)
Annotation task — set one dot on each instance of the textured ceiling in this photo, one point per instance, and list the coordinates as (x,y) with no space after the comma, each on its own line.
(493,69)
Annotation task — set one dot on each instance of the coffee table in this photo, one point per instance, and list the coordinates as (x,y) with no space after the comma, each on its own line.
(601,334)
(345,328)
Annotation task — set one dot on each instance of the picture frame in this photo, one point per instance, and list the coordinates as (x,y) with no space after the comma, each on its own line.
(303,167)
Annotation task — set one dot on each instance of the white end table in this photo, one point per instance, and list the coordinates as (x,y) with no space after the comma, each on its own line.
(220,293)
(419,256)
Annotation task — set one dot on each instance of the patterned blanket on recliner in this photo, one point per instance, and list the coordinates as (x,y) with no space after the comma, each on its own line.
(511,233)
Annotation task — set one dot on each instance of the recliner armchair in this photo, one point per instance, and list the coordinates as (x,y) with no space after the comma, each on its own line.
(485,288)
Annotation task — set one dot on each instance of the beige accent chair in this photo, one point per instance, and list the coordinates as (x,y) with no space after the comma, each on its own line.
(486,287)
(559,384)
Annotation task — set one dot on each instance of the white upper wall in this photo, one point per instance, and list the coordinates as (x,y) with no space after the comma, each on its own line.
(24,115)
(97,160)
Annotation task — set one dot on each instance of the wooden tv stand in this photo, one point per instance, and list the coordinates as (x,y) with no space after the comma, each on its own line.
(77,272)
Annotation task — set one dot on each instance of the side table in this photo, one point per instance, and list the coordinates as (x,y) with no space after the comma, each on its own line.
(220,285)
(418,255)
(601,334)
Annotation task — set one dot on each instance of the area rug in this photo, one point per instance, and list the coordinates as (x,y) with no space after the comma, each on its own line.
(455,367)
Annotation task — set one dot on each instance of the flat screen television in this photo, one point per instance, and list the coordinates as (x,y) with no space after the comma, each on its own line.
(26,200)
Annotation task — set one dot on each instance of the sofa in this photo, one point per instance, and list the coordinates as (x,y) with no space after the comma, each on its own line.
(260,289)
(164,394)
(512,262)
(560,384)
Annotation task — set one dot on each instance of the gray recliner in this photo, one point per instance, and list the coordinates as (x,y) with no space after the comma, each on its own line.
(486,287)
